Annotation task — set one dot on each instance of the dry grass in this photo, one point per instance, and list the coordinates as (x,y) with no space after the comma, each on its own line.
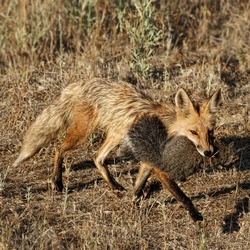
(202,45)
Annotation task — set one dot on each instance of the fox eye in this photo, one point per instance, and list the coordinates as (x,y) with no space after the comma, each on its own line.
(193,132)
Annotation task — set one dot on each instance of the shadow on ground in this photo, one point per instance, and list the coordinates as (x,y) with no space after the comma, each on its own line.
(241,146)
(231,221)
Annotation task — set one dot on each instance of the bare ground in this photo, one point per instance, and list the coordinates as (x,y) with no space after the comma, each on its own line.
(88,215)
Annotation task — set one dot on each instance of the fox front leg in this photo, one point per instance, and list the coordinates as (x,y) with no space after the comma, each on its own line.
(178,194)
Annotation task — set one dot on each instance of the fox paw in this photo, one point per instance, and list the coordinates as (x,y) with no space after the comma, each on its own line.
(57,186)
(196,216)
(116,186)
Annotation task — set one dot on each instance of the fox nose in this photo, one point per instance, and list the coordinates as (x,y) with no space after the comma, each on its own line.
(208,153)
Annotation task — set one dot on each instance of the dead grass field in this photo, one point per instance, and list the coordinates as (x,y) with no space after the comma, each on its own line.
(200,45)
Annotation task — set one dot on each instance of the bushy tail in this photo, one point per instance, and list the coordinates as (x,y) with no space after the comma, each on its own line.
(54,119)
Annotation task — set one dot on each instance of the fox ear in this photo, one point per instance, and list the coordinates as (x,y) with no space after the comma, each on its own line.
(213,103)
(183,102)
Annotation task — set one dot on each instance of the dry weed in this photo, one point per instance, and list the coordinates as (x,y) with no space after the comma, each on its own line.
(44,46)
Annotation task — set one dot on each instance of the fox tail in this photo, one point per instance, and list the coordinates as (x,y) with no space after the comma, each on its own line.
(54,119)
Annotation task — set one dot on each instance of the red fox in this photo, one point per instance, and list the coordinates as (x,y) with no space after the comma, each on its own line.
(117,108)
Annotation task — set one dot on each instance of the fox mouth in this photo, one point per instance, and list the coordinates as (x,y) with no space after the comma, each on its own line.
(206,153)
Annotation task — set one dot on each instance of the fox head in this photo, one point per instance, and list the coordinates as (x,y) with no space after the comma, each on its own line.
(196,122)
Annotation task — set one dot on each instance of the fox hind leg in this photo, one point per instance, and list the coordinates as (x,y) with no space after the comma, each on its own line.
(73,139)
(112,141)
(82,126)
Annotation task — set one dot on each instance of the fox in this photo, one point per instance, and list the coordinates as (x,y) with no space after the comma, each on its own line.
(118,108)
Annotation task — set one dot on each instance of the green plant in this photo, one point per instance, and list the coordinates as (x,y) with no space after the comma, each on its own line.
(28,196)
(144,37)
(203,244)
